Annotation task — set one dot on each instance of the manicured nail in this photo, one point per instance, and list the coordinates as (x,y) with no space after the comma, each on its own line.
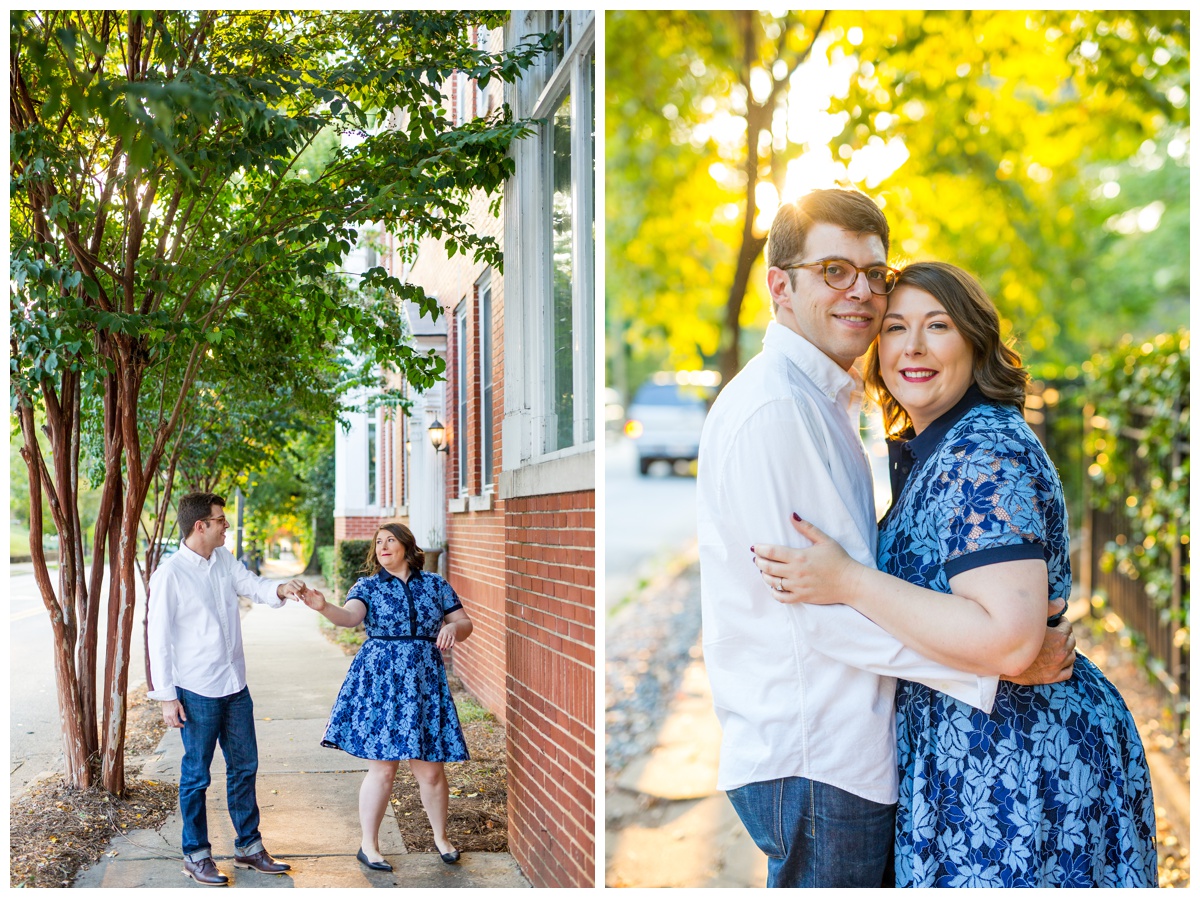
(752,549)
(797,517)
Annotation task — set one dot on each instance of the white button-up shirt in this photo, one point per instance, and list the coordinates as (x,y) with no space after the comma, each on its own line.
(195,629)
(800,690)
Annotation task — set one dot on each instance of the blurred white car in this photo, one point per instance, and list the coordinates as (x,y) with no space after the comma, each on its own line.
(667,414)
(614,412)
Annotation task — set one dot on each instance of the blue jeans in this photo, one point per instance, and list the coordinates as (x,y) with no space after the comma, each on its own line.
(816,835)
(230,720)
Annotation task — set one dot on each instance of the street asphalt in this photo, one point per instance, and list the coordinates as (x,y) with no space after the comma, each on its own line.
(308,795)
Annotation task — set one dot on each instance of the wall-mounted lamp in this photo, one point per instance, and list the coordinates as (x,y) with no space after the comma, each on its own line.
(437,436)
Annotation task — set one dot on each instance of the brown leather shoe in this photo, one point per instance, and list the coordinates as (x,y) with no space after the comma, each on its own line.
(262,862)
(205,872)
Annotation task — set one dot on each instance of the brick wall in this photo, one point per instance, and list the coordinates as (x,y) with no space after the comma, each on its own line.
(476,571)
(357,527)
(550,613)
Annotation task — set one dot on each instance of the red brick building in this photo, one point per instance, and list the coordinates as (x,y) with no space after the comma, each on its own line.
(514,500)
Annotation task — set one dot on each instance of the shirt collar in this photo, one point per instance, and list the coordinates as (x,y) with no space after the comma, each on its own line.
(193,557)
(830,378)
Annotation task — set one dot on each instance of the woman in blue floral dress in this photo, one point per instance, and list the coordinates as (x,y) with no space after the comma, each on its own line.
(395,703)
(1051,788)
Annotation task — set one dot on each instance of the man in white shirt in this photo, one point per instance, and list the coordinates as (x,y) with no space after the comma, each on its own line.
(198,672)
(804,693)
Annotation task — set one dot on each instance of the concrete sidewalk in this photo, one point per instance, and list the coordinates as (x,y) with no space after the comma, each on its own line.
(308,795)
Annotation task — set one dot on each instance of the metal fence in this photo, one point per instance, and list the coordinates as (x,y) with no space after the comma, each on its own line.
(1158,623)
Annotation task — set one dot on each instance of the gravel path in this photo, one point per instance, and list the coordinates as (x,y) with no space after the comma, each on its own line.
(648,641)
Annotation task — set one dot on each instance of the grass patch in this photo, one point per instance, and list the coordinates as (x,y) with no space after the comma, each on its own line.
(348,639)
(18,540)
(469,711)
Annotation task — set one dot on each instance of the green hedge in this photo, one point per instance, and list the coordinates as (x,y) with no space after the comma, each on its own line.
(1144,385)
(350,555)
(325,558)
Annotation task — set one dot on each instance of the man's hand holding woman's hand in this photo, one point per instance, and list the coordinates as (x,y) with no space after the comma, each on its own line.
(313,598)
(821,574)
(291,589)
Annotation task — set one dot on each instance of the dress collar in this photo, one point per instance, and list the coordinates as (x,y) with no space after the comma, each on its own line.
(385,575)
(908,452)
(923,445)
(830,378)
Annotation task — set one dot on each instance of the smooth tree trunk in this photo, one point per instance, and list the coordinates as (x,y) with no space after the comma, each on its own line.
(79,742)
(758,118)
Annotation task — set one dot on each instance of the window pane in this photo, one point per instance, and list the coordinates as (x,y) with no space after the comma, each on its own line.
(485,378)
(460,321)
(561,432)
(586,352)
(372,455)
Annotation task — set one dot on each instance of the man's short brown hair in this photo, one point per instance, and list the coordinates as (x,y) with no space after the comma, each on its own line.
(847,209)
(196,507)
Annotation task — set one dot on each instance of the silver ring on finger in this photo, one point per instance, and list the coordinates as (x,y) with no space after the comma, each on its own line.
(779,585)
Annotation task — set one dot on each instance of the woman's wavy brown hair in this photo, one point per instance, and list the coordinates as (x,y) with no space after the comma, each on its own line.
(412,552)
(998,370)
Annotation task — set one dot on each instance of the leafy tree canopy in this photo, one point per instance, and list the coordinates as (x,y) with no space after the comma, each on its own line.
(175,216)
(1045,151)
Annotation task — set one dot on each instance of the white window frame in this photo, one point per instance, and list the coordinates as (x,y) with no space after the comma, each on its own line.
(528,468)
(462,399)
(485,351)
(373,467)
(462,109)
(572,78)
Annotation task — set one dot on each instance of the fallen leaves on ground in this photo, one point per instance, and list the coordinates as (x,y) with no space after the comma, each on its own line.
(478,819)
(56,831)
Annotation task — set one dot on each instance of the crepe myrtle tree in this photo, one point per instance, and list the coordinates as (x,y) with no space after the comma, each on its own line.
(156,194)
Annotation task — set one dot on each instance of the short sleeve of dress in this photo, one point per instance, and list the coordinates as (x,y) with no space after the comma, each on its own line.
(450,600)
(993,499)
(361,590)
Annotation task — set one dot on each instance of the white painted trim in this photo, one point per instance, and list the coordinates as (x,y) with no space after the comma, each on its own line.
(527,269)
(480,503)
(571,473)
(456,506)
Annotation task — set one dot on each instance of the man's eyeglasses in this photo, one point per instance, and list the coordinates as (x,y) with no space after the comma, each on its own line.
(221,520)
(841,275)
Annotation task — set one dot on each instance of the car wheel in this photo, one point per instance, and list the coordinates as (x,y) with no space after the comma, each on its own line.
(644,465)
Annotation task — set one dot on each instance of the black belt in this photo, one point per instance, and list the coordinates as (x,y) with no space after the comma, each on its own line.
(407,638)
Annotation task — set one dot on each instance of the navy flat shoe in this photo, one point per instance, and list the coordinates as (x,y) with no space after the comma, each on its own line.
(371,865)
(451,857)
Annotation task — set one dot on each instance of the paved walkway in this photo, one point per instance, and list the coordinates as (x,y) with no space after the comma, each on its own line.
(667,826)
(308,795)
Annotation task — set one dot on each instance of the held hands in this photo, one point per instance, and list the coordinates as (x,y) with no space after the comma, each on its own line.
(291,589)
(1056,661)
(173,715)
(313,598)
(821,574)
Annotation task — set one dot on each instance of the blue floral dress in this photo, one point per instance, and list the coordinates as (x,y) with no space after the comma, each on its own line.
(1051,788)
(395,702)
